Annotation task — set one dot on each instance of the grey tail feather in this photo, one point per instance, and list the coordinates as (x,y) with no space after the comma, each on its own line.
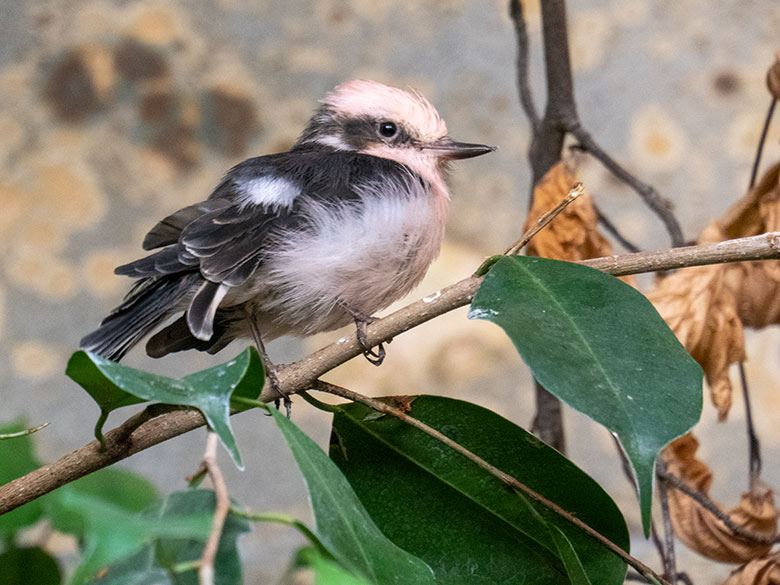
(147,305)
(178,337)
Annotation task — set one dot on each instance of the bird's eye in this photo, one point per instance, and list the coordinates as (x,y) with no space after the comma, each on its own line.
(387,129)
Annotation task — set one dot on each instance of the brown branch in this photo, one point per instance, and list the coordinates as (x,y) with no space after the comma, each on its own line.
(210,466)
(706,503)
(670,562)
(156,423)
(23,433)
(661,206)
(612,229)
(545,219)
(561,117)
(502,476)
(523,83)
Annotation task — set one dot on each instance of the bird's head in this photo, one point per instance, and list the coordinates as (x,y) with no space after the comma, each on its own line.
(375,119)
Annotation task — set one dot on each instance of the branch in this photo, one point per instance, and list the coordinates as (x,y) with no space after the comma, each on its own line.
(23,433)
(505,478)
(523,83)
(561,116)
(157,423)
(662,207)
(210,466)
(706,503)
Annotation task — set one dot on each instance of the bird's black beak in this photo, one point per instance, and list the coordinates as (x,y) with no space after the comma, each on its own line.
(448,149)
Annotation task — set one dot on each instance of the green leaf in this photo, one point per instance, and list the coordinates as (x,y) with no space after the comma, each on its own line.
(600,346)
(113,533)
(158,561)
(466,524)
(112,385)
(571,561)
(17,458)
(27,566)
(326,571)
(138,569)
(342,523)
(118,487)
(172,552)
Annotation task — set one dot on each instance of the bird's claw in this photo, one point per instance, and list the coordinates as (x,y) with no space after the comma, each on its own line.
(375,357)
(273,381)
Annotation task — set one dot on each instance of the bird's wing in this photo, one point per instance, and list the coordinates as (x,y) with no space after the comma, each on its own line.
(226,237)
(168,230)
(231,243)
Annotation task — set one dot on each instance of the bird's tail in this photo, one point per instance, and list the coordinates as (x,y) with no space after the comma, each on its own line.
(149,303)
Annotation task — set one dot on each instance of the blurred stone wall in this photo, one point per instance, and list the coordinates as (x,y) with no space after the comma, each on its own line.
(113,114)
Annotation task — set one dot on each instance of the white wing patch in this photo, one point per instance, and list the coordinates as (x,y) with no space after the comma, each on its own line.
(275,192)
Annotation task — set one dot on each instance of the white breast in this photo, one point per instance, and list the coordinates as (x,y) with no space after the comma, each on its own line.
(364,254)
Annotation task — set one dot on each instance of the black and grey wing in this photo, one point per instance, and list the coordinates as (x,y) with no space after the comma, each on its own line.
(211,247)
(205,249)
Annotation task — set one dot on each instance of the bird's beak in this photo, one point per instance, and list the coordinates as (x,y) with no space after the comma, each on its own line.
(447,148)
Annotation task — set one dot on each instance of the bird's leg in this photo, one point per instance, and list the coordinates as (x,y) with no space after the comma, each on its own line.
(361,320)
(270,368)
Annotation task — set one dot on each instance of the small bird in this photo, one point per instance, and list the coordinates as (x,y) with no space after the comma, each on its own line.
(299,242)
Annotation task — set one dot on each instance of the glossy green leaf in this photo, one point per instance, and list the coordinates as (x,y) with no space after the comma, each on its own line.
(600,346)
(29,566)
(118,487)
(112,385)
(138,569)
(17,458)
(342,523)
(326,571)
(466,524)
(571,561)
(172,552)
(113,534)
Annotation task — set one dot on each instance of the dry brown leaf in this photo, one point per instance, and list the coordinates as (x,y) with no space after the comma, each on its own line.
(756,287)
(757,212)
(701,309)
(707,307)
(699,529)
(572,235)
(764,571)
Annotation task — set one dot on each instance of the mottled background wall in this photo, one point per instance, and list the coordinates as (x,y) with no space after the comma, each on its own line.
(114,114)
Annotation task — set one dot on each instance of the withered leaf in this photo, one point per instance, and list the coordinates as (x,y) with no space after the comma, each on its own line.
(572,235)
(765,571)
(707,307)
(698,528)
(701,308)
(757,212)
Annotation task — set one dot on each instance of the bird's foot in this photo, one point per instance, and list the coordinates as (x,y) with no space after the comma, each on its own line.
(269,367)
(374,356)
(273,381)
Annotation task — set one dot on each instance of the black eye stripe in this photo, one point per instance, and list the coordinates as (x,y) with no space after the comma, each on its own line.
(388,129)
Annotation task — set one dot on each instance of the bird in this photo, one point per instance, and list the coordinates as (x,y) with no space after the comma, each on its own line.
(296,243)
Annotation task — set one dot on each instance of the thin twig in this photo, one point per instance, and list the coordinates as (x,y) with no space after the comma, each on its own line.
(523,83)
(614,231)
(713,509)
(209,463)
(545,220)
(505,478)
(158,423)
(658,543)
(661,206)
(670,563)
(23,433)
(761,142)
(754,445)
